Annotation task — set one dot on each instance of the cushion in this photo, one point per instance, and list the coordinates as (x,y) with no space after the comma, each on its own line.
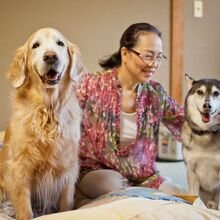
(137,209)
(138,203)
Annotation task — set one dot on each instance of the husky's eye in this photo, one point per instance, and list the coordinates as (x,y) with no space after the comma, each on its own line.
(216,93)
(60,43)
(35,45)
(199,92)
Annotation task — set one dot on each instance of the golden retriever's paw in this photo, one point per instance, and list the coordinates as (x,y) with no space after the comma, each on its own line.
(24,216)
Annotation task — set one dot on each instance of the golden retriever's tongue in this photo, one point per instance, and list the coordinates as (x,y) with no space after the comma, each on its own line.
(51,75)
(205,117)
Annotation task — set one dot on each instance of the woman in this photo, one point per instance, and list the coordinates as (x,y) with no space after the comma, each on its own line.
(122,111)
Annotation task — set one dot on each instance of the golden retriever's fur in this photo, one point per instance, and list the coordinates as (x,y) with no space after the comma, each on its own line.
(39,158)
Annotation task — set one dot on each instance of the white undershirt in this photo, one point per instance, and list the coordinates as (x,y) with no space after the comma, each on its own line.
(128,128)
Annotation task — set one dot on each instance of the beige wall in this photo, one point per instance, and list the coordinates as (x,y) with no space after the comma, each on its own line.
(94,25)
(201,41)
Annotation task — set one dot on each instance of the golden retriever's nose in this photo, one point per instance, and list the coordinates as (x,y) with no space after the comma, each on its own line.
(50,57)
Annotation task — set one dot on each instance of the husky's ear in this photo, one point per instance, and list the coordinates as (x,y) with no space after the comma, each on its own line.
(16,72)
(190,81)
(76,66)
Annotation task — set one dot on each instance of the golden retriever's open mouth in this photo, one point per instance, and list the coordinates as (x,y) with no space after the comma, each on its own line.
(52,77)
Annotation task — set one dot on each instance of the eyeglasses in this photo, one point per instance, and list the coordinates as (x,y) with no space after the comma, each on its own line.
(150,58)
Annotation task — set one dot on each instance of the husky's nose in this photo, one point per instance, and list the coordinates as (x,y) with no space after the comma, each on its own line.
(207,106)
(50,57)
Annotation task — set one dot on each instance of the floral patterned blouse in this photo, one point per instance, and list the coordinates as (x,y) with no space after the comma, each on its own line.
(100,96)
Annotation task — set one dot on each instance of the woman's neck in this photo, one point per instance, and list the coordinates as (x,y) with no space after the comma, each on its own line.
(127,83)
(129,93)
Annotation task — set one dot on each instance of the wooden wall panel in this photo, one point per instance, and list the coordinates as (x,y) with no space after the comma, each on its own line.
(176,74)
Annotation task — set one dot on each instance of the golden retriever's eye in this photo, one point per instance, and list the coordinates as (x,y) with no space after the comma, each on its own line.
(216,93)
(200,92)
(35,45)
(60,43)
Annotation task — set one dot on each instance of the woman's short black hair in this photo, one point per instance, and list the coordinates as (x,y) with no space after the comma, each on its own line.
(129,39)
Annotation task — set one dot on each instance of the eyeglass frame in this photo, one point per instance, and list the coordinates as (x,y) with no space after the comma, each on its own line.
(152,60)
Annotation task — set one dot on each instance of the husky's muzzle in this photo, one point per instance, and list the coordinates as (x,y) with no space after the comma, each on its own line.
(207,112)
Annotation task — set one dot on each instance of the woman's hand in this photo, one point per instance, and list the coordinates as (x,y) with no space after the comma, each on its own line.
(217,117)
(216,121)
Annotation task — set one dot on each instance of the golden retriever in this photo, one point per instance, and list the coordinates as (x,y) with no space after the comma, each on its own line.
(39,159)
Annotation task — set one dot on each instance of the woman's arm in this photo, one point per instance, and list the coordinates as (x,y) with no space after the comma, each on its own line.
(173,116)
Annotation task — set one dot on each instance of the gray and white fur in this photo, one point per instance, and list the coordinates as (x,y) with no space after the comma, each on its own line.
(201,140)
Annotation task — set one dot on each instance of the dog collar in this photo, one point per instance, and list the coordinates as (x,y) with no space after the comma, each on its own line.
(199,132)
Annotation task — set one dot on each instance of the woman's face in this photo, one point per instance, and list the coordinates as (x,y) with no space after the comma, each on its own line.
(142,61)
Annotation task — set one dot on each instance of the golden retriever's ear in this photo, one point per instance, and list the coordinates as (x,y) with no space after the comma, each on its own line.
(76,65)
(16,73)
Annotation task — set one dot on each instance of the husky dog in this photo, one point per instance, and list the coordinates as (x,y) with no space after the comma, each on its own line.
(201,140)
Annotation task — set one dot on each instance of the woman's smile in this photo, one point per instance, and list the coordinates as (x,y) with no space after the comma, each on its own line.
(148,72)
